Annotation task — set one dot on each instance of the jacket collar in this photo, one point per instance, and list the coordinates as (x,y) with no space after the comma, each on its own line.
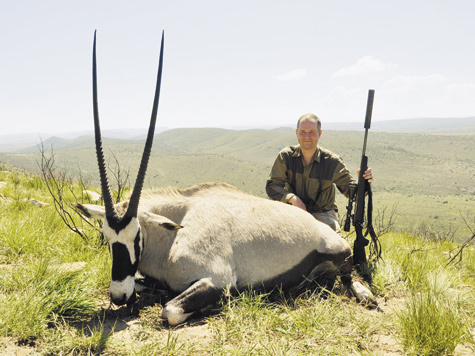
(316,156)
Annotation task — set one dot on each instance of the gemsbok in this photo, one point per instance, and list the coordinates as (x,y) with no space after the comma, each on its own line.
(211,238)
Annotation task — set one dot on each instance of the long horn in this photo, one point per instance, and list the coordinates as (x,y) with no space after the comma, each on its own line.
(135,198)
(106,193)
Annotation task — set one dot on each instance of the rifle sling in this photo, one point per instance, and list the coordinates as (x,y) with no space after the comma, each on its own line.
(376,244)
(375,247)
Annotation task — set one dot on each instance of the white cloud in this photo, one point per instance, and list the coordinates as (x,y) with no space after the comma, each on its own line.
(461,91)
(343,104)
(431,95)
(459,99)
(413,82)
(293,74)
(365,65)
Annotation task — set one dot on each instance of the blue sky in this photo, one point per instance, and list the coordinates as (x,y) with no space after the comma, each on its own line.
(233,64)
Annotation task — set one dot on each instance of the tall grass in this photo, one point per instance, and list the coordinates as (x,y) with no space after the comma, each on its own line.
(435,320)
(438,310)
(38,292)
(308,325)
(37,295)
(85,340)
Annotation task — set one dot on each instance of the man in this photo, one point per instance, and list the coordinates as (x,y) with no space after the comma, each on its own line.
(306,175)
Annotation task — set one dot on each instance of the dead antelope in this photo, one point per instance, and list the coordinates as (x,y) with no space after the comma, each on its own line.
(204,240)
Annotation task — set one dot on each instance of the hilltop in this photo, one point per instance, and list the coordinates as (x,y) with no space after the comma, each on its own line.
(426,178)
(13,143)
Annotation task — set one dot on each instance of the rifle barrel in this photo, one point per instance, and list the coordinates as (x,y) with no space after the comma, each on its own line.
(367,122)
(369,109)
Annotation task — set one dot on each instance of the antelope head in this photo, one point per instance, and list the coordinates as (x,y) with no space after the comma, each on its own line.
(122,231)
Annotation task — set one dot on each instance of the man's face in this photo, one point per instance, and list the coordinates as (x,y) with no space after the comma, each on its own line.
(308,134)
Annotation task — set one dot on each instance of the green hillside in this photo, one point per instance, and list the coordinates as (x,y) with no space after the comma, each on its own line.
(427,178)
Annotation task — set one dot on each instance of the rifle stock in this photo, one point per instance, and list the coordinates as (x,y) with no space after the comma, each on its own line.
(349,208)
(360,191)
(359,253)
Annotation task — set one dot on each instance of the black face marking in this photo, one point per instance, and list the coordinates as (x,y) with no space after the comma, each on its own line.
(121,262)
(118,224)
(121,266)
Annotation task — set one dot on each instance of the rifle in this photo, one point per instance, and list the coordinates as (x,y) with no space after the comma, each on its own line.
(358,193)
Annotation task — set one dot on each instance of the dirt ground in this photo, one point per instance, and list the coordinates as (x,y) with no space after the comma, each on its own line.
(126,325)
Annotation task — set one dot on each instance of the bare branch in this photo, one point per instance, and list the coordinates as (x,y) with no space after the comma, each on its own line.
(57,184)
(385,223)
(122,178)
(464,244)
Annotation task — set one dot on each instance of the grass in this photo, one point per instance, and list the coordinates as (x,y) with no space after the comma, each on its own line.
(437,313)
(39,291)
(37,295)
(434,320)
(309,325)
(49,306)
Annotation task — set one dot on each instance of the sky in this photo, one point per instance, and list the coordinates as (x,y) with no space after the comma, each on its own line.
(233,64)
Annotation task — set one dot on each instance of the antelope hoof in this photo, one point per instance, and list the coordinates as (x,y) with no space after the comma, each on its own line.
(363,295)
(174,315)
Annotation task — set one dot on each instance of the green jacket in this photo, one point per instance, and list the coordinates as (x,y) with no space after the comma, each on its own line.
(313,184)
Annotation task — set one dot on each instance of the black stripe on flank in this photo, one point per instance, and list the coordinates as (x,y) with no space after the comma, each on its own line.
(293,277)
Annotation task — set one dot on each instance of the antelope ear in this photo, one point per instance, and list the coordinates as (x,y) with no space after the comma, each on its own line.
(147,218)
(92,211)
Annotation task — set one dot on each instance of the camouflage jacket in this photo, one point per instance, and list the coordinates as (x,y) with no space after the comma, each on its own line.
(313,184)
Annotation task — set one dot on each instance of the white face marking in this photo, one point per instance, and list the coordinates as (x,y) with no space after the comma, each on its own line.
(125,236)
(126,287)
(122,290)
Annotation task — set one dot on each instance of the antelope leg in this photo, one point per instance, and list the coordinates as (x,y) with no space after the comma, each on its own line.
(198,296)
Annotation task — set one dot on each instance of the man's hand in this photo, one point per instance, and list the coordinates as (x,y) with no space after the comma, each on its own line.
(368,174)
(296,201)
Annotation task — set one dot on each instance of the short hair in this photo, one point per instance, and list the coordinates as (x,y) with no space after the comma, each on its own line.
(310,117)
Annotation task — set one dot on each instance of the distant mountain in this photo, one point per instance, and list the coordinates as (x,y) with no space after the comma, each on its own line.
(423,125)
(14,143)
